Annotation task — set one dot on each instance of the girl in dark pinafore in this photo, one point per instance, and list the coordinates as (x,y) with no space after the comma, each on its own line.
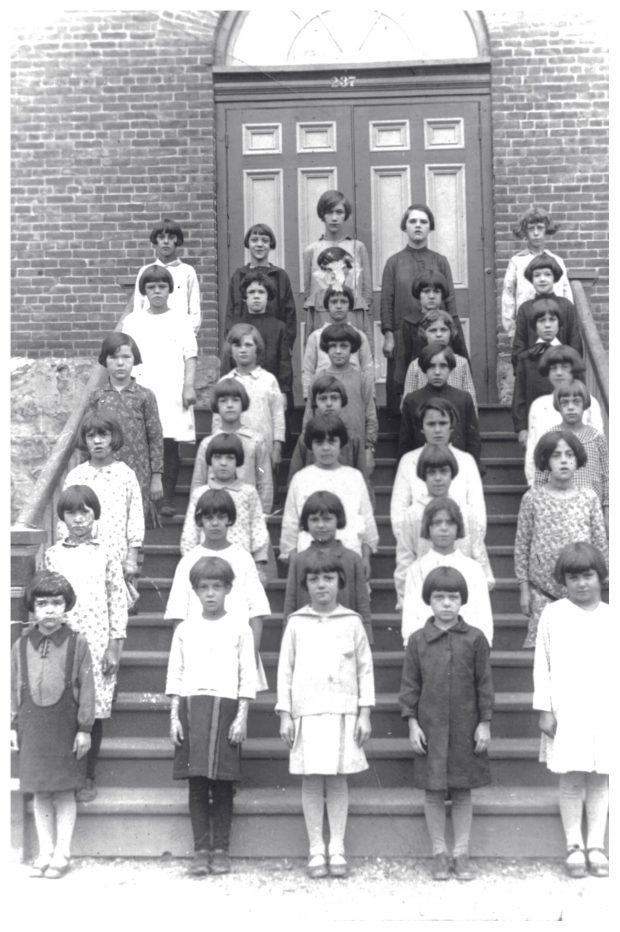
(52,714)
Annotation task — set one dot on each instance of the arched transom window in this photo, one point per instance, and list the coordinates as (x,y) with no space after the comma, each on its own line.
(349,34)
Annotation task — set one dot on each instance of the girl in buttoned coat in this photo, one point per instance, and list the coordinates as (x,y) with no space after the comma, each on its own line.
(325,693)
(447,697)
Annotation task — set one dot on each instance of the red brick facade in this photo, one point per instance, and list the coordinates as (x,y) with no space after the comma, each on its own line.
(113,127)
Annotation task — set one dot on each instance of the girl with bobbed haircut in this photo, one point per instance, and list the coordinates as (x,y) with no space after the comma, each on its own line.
(340,333)
(574,389)
(579,557)
(261,229)
(78,498)
(230,388)
(543,415)
(330,199)
(319,561)
(535,215)
(325,427)
(166,226)
(435,314)
(543,261)
(322,503)
(215,502)
(46,584)
(239,331)
(442,504)
(152,274)
(113,342)
(328,383)
(334,254)
(434,349)
(96,423)
(443,406)
(330,292)
(225,444)
(444,579)
(257,276)
(549,441)
(534,226)
(424,208)
(334,259)
(430,278)
(434,457)
(211,568)
(559,354)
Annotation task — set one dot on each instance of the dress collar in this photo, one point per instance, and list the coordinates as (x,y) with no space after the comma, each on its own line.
(37,637)
(433,633)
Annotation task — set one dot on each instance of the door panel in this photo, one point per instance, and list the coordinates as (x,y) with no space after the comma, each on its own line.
(436,145)
(383,156)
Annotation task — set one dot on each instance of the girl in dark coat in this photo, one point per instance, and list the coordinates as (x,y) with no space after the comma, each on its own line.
(447,696)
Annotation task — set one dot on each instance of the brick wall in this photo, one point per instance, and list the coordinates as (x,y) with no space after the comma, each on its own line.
(550,138)
(113,127)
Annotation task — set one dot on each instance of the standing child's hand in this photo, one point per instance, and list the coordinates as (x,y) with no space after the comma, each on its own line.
(525,600)
(81,744)
(363,728)
(13,739)
(189,396)
(176,730)
(482,737)
(157,490)
(287,729)
(238,731)
(370,461)
(523,438)
(548,723)
(417,737)
(366,560)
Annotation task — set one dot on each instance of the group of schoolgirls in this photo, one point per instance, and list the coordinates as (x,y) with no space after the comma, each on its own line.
(218,602)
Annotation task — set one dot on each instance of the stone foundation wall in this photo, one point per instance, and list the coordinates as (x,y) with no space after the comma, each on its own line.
(43,394)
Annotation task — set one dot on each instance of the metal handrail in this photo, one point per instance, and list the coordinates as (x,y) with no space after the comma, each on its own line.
(596,357)
(50,477)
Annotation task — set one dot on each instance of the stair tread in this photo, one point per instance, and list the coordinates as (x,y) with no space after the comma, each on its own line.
(157,618)
(158,701)
(498,800)
(159,658)
(273,748)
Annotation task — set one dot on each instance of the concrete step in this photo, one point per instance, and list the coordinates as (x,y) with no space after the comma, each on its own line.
(147,761)
(149,631)
(509,821)
(144,671)
(161,560)
(501,529)
(146,714)
(154,594)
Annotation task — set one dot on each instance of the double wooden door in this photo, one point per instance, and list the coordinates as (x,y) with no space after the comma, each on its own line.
(276,160)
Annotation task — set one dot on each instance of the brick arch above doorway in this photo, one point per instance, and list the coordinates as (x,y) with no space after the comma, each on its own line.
(319,38)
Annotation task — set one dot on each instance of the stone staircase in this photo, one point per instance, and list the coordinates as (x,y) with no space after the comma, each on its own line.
(141,811)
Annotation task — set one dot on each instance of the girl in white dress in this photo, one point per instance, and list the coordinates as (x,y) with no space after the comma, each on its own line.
(442,526)
(265,414)
(169,351)
(121,524)
(574,669)
(325,694)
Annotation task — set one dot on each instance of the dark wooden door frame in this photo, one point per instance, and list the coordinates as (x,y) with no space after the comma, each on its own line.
(463,79)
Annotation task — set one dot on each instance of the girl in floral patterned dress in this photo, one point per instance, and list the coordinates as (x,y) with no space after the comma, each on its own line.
(135,408)
(550,517)
(121,526)
(100,610)
(224,455)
